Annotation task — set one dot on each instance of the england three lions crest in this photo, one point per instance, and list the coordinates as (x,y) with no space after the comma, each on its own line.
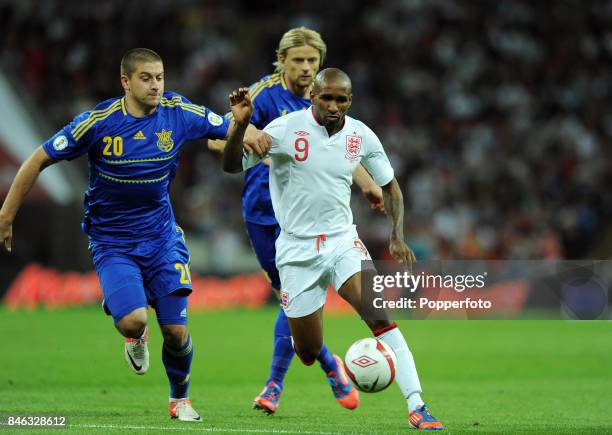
(353,147)
(165,141)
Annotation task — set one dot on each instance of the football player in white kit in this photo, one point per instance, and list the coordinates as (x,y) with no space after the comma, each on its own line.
(313,155)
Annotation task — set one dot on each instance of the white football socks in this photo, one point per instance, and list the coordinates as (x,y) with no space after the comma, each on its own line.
(414,402)
(405,372)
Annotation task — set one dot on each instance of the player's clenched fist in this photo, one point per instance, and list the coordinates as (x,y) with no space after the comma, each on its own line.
(241,104)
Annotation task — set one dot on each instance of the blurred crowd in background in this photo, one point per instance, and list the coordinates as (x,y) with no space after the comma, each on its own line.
(495,114)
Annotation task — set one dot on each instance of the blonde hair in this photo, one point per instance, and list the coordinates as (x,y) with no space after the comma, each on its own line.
(299,37)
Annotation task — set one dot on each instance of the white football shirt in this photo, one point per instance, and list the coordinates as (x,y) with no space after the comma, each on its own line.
(311,173)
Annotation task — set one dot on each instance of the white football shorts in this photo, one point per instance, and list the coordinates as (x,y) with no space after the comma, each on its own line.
(307,266)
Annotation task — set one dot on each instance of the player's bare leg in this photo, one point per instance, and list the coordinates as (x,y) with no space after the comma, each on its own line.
(133,326)
(351,292)
(387,331)
(177,354)
(175,336)
(307,333)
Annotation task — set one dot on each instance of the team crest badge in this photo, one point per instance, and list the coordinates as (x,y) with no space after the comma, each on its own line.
(214,119)
(284,299)
(165,141)
(60,143)
(353,147)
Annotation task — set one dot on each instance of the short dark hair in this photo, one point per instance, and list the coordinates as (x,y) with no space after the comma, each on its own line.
(135,56)
(331,75)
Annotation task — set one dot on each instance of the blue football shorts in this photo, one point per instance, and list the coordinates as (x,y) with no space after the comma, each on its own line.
(135,275)
(263,239)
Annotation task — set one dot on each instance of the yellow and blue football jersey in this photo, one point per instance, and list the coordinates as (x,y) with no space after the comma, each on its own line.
(132,162)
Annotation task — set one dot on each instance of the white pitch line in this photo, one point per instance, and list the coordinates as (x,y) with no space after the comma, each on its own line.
(195,429)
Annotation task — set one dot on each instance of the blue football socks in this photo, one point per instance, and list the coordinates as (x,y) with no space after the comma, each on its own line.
(178,364)
(326,359)
(283,350)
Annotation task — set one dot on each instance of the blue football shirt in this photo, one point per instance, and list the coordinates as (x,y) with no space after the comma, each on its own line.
(132,162)
(271,99)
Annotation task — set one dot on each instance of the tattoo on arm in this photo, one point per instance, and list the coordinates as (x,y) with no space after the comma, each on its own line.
(394,206)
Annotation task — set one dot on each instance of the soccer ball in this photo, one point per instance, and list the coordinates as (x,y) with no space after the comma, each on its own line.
(370,364)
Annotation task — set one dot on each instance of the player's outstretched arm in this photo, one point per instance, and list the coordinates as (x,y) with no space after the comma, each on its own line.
(394,207)
(371,191)
(254,142)
(23,182)
(242,108)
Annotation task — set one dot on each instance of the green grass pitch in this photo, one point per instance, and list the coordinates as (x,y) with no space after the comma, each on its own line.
(477,376)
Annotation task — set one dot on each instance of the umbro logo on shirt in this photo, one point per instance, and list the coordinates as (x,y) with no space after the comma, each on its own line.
(301,133)
(140,135)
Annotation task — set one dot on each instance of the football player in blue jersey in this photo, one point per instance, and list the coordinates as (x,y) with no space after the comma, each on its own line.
(300,53)
(133,145)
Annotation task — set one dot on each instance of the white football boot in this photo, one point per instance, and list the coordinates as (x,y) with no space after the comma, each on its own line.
(137,353)
(182,409)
